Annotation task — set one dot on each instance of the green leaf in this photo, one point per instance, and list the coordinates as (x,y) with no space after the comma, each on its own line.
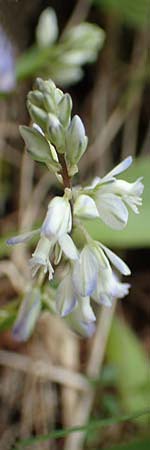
(137,232)
(133,12)
(134,445)
(126,353)
(37,145)
(93,424)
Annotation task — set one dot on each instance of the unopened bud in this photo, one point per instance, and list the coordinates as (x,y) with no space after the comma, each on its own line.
(64,108)
(56,133)
(38,115)
(76,141)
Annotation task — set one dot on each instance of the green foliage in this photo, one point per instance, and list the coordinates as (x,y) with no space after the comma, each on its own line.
(126,353)
(133,12)
(137,233)
(134,445)
(93,424)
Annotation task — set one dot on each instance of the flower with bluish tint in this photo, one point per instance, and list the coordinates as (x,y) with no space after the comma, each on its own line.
(109,288)
(94,260)
(82,319)
(28,315)
(111,197)
(7,63)
(54,237)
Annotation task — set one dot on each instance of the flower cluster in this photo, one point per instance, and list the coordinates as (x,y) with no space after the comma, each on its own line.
(92,271)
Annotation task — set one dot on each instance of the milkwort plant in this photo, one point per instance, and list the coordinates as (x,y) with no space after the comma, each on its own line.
(90,273)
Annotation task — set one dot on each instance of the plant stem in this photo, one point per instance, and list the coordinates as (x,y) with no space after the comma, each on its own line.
(65,175)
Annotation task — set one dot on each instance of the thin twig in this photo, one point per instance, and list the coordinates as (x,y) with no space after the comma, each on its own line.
(41,369)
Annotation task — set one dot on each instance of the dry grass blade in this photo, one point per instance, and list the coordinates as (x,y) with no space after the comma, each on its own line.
(94,365)
(45,371)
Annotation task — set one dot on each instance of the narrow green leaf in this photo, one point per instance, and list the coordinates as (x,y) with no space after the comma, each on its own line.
(93,424)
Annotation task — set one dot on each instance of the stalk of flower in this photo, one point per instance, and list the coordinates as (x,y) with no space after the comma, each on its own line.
(59,141)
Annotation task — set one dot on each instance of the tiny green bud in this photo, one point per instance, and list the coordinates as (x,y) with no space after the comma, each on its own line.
(56,133)
(45,85)
(49,103)
(36,98)
(64,108)
(38,115)
(76,141)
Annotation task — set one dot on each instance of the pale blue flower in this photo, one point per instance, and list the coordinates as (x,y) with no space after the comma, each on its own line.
(28,315)
(7,63)
(92,264)
(54,238)
(109,288)
(82,318)
(111,197)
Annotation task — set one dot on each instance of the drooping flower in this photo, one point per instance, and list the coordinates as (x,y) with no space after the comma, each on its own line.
(111,197)
(92,264)
(54,238)
(109,288)
(82,318)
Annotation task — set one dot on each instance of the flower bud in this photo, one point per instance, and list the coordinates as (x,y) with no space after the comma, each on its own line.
(37,145)
(47,28)
(58,220)
(56,133)
(64,108)
(76,141)
(36,98)
(38,115)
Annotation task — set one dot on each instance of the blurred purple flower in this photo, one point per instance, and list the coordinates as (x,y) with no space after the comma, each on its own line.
(7,63)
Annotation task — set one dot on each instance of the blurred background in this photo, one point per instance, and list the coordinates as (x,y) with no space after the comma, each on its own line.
(56,379)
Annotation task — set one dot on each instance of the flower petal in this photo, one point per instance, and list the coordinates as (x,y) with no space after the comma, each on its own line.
(66,298)
(117,262)
(121,167)
(68,247)
(85,272)
(24,237)
(111,210)
(58,219)
(85,207)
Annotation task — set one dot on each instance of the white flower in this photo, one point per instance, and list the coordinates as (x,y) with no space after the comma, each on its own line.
(47,28)
(40,257)
(94,259)
(58,220)
(53,237)
(85,207)
(111,196)
(82,318)
(129,192)
(109,288)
